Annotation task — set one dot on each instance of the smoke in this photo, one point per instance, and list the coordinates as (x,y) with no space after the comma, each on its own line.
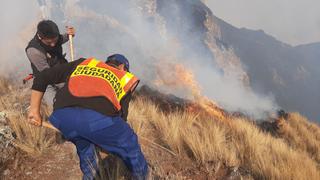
(153,34)
(17,19)
(233,95)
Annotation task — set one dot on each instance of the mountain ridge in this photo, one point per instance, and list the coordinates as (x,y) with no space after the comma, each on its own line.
(278,68)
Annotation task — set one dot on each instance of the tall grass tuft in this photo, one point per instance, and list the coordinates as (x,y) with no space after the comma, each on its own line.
(210,144)
(236,143)
(14,102)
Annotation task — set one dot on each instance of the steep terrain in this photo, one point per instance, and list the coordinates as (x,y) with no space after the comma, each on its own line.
(211,143)
(202,74)
(278,68)
(157,34)
(260,60)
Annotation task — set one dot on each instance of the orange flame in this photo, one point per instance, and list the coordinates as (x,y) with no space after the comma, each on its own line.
(178,76)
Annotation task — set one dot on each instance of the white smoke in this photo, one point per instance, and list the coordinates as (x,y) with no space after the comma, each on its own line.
(134,28)
(18,20)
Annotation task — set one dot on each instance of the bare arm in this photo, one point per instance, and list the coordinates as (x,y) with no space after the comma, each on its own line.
(34,116)
(53,75)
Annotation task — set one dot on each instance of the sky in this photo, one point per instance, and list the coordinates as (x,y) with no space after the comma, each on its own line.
(292,21)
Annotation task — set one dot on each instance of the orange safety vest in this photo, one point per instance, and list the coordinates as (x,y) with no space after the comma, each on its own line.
(93,78)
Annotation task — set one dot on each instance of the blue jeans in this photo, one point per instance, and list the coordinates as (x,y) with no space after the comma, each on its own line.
(87,128)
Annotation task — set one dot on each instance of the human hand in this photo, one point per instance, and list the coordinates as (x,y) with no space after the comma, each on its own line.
(34,118)
(70,30)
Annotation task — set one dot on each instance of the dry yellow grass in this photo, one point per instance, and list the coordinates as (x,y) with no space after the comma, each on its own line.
(267,157)
(302,135)
(14,101)
(4,85)
(206,142)
(240,144)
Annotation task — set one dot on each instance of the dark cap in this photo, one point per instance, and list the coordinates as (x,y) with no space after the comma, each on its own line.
(47,29)
(121,59)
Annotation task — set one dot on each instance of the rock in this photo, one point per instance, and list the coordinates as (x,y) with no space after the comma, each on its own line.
(3,118)
(233,173)
(5,136)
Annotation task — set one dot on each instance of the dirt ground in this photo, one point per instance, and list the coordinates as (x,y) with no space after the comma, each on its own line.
(60,162)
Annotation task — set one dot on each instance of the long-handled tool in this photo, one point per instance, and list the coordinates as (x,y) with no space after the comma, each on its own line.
(50,126)
(30,76)
(71,47)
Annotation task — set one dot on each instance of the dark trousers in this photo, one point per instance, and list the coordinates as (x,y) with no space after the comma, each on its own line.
(87,128)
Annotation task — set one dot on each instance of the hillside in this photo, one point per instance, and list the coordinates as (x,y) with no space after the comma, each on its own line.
(241,69)
(278,68)
(208,105)
(210,144)
(271,66)
(188,33)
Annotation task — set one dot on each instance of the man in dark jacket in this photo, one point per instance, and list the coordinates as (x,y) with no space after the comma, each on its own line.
(45,49)
(91,109)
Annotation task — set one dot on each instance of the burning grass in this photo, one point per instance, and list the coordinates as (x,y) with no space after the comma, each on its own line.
(209,146)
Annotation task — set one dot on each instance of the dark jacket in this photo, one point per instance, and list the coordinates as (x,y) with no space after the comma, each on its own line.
(42,56)
(63,98)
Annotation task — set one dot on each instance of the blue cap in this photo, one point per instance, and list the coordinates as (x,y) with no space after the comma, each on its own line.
(119,58)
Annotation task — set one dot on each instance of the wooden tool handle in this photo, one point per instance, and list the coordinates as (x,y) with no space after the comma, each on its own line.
(71,47)
(50,126)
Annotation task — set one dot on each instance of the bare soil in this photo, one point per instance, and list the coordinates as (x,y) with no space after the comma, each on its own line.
(60,162)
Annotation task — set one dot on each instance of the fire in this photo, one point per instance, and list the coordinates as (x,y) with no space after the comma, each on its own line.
(178,76)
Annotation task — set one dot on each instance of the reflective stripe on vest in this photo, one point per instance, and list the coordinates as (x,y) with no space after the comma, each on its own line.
(93,78)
